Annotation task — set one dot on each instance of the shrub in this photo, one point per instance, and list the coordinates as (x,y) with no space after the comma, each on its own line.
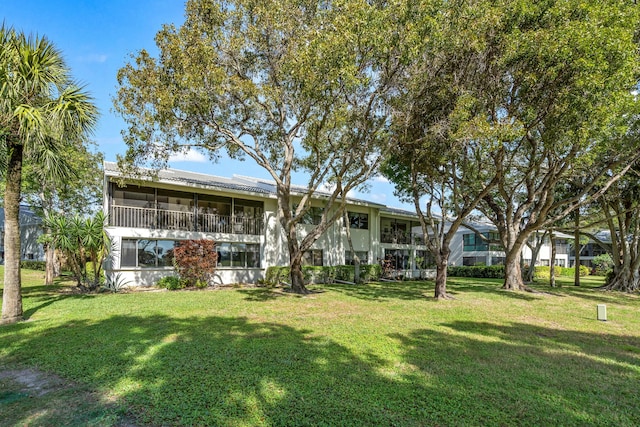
(33,265)
(318,274)
(345,272)
(370,272)
(171,282)
(115,283)
(195,261)
(602,263)
(277,274)
(479,271)
(543,271)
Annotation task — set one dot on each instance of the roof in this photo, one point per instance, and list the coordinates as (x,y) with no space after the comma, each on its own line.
(238,183)
(195,179)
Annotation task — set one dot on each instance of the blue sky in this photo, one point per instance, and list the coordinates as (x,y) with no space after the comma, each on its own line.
(97,39)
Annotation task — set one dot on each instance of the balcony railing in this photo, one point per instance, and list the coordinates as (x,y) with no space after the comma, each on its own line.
(401,237)
(127,216)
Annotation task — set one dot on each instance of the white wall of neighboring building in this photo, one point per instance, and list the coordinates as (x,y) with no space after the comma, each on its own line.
(458,253)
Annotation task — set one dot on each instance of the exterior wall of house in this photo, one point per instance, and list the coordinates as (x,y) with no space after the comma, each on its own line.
(492,255)
(30,230)
(132,237)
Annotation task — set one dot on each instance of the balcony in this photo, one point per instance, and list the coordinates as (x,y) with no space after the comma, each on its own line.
(401,237)
(126,216)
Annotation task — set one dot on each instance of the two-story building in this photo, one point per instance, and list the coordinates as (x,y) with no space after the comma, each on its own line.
(146,218)
(469,248)
(30,231)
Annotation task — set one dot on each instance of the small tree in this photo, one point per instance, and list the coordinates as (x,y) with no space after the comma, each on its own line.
(602,262)
(195,261)
(83,242)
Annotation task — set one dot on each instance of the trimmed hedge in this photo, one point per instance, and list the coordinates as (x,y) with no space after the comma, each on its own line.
(318,274)
(543,272)
(480,271)
(33,265)
(370,272)
(324,274)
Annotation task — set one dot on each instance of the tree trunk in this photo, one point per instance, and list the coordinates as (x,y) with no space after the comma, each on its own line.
(625,280)
(50,258)
(576,248)
(442,261)
(11,296)
(512,273)
(295,262)
(552,262)
(297,278)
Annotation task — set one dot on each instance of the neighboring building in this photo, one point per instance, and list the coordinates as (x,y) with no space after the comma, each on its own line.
(591,250)
(30,230)
(467,248)
(147,217)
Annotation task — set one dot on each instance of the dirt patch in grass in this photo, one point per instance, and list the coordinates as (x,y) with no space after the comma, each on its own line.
(32,397)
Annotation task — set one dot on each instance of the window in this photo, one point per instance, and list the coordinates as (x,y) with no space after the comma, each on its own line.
(363,256)
(424,259)
(147,253)
(497,260)
(395,231)
(312,257)
(475,242)
(358,220)
(312,216)
(134,196)
(240,255)
(474,260)
(398,259)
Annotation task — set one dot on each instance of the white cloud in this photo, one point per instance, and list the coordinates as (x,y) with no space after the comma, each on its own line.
(329,188)
(190,156)
(380,178)
(378,198)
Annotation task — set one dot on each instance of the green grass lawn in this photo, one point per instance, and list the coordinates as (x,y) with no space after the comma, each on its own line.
(373,355)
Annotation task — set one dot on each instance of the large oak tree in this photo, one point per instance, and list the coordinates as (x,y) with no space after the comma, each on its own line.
(553,85)
(292,85)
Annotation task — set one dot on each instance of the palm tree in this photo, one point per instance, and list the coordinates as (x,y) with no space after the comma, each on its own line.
(41,108)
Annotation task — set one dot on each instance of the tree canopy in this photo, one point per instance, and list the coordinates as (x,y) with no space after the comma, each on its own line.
(41,110)
(292,85)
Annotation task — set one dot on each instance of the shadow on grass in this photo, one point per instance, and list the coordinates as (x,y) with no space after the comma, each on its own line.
(414,290)
(50,298)
(521,374)
(589,291)
(385,291)
(232,371)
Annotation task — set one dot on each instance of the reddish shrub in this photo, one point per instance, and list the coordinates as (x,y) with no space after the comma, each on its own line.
(195,261)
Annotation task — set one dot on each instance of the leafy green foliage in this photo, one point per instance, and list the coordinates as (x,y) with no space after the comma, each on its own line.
(171,283)
(116,282)
(195,261)
(602,263)
(84,244)
(33,265)
(277,274)
(325,274)
(290,84)
(543,272)
(491,271)
(42,110)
